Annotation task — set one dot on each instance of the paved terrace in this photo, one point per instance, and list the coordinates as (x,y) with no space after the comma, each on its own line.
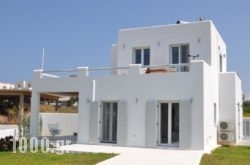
(140,156)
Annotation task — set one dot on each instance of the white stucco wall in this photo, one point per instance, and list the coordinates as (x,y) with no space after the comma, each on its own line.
(239,112)
(160,38)
(218,48)
(79,84)
(211,102)
(231,101)
(137,89)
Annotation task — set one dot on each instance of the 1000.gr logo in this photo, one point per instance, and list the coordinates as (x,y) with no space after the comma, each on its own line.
(33,145)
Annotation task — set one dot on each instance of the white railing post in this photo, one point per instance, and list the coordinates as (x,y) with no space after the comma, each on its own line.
(37,74)
(134,69)
(82,72)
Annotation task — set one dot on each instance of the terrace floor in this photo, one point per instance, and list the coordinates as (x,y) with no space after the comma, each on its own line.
(139,156)
(145,156)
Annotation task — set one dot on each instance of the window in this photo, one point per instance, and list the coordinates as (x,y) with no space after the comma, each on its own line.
(142,56)
(179,54)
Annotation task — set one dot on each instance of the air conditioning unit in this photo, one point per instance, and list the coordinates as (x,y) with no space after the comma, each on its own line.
(225,126)
(226,137)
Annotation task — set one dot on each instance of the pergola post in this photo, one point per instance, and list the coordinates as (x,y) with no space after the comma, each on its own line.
(34,120)
(57,106)
(21,106)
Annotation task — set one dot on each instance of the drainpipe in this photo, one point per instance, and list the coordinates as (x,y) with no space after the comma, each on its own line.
(93,90)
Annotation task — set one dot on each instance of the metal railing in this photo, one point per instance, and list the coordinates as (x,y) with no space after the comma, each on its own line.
(108,71)
(246,127)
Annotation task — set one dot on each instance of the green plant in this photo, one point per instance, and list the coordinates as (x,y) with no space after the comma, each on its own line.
(246,108)
(6,144)
(12,114)
(40,125)
(24,126)
(39,158)
(227,156)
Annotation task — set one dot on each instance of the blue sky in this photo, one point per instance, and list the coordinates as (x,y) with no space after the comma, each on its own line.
(80,32)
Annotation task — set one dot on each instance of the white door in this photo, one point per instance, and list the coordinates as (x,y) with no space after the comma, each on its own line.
(168,124)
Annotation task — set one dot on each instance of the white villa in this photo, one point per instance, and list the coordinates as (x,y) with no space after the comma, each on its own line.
(168,86)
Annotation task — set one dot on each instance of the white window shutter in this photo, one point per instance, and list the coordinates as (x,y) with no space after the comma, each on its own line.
(94,121)
(151,123)
(122,123)
(185,124)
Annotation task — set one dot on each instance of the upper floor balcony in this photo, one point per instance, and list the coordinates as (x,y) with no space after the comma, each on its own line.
(114,71)
(83,79)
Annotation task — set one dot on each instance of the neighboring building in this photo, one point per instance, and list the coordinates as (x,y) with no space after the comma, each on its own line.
(24,85)
(6,86)
(169,87)
(20,94)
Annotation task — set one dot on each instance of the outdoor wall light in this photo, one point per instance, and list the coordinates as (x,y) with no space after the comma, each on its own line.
(199,40)
(158,43)
(136,100)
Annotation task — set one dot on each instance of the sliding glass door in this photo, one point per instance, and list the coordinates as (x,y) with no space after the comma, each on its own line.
(109,122)
(168,119)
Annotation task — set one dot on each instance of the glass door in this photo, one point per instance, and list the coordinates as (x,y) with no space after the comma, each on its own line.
(168,120)
(109,122)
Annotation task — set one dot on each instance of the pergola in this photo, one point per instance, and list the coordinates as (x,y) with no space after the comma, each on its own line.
(22,94)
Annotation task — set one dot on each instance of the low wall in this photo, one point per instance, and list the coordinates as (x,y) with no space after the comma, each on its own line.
(67,122)
(8,130)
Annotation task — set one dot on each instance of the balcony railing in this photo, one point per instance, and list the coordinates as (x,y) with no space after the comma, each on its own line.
(111,71)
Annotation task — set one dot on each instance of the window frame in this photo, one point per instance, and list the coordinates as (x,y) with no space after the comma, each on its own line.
(142,56)
(180,56)
(109,127)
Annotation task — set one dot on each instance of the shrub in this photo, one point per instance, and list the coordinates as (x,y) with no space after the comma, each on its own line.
(246,103)
(6,144)
(246,106)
